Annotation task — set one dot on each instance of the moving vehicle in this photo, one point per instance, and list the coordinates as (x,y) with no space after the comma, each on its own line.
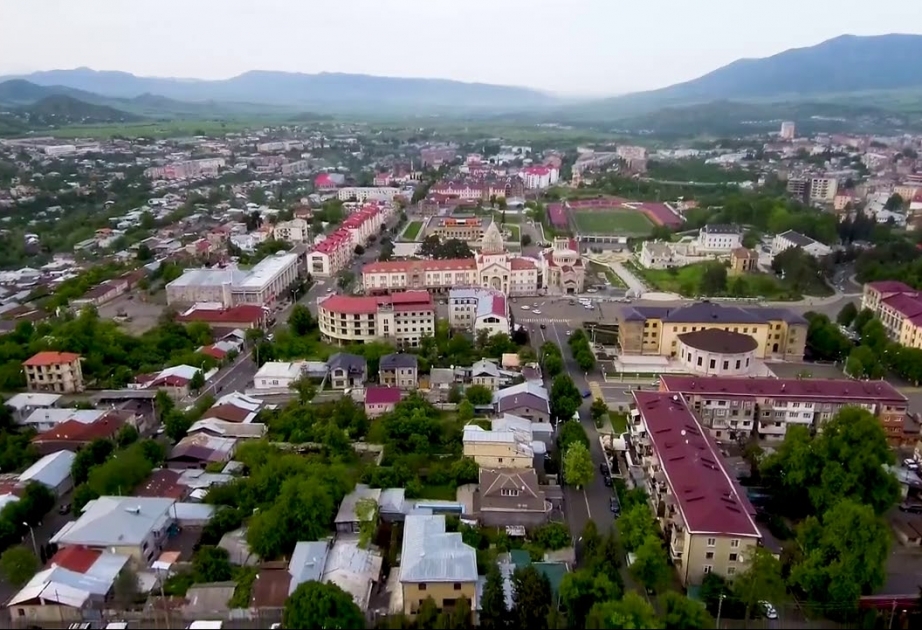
(769,610)
(536,312)
(911,508)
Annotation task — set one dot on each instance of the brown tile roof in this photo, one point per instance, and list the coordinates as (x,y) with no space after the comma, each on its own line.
(162,483)
(75,431)
(51,358)
(228,413)
(270,588)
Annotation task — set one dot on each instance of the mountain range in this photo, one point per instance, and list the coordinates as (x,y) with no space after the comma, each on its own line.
(849,65)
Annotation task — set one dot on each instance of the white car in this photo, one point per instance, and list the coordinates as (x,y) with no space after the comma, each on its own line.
(525,307)
(911,464)
(329,289)
(769,610)
(536,312)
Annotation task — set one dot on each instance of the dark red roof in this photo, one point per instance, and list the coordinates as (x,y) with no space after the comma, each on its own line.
(162,483)
(382,395)
(358,305)
(906,304)
(890,286)
(803,389)
(246,313)
(76,559)
(75,431)
(708,498)
(227,412)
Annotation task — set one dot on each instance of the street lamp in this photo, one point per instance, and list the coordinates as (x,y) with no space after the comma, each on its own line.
(34,544)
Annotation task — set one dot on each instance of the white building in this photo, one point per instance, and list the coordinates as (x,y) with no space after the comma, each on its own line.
(402,318)
(367,193)
(823,189)
(713,238)
(536,177)
(787,130)
(789,239)
(277,374)
(478,309)
(294,231)
(264,284)
(334,253)
(52,471)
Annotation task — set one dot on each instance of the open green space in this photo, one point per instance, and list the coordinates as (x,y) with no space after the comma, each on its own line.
(413,230)
(692,281)
(514,233)
(612,278)
(158,128)
(615,221)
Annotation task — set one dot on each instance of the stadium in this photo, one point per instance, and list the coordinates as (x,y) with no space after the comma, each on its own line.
(610,218)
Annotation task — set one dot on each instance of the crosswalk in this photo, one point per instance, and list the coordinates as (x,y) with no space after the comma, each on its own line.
(546,320)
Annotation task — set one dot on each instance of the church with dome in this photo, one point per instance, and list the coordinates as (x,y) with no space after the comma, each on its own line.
(558,270)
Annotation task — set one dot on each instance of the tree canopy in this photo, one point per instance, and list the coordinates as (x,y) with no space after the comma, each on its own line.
(565,398)
(321,605)
(577,465)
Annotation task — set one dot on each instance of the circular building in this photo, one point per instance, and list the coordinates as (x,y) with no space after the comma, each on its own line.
(717,352)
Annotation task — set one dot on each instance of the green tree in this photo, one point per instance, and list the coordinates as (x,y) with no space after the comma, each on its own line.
(303,511)
(479,394)
(570,432)
(631,612)
(458,617)
(581,590)
(126,589)
(428,614)
(844,555)
(367,511)
(847,315)
(762,580)
(635,525)
(321,605)
(577,465)
(465,411)
(493,612)
(301,322)
(682,613)
(598,410)
(565,398)
(651,564)
(197,382)
(18,564)
(211,564)
(714,279)
(864,316)
(531,598)
(176,424)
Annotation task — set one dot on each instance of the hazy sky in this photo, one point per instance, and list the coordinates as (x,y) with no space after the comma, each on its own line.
(567,46)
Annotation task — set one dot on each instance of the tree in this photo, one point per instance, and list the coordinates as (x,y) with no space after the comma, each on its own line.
(531,598)
(479,394)
(894,202)
(651,564)
(493,612)
(761,581)
(465,411)
(176,424)
(862,318)
(197,382)
(598,410)
(301,322)
(211,564)
(714,279)
(682,613)
(582,589)
(565,398)
(126,588)
(303,511)
(631,612)
(427,615)
(458,617)
(18,564)
(844,555)
(569,433)
(359,250)
(577,465)
(526,240)
(321,605)
(367,512)
(825,340)
(847,315)
(635,524)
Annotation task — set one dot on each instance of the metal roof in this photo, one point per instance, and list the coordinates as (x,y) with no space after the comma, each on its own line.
(307,562)
(430,554)
(50,470)
(116,521)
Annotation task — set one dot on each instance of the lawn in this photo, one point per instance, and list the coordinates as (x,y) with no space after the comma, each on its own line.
(412,231)
(687,281)
(618,422)
(514,233)
(609,274)
(157,128)
(615,222)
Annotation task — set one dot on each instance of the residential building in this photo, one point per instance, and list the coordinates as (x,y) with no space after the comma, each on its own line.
(734,408)
(59,372)
(708,522)
(786,240)
(294,231)
(498,449)
(537,177)
(190,169)
(201,449)
(341,561)
(131,526)
(511,497)
(52,471)
(435,563)
(527,400)
(654,330)
(24,404)
(719,239)
(743,260)
(263,285)
(348,520)
(369,193)
(799,188)
(486,373)
(468,229)
(823,189)
(216,315)
(478,309)
(788,129)
(399,370)
(78,429)
(347,371)
(401,318)
(336,250)
(277,375)
(898,307)
(659,255)
(565,271)
(381,400)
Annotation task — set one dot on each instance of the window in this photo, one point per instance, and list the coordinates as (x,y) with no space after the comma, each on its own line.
(422,586)
(713,363)
(735,543)
(733,557)
(712,542)
(731,570)
(709,555)
(457,586)
(707,569)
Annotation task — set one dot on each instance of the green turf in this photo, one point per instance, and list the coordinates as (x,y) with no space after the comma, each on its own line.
(617,222)
(412,230)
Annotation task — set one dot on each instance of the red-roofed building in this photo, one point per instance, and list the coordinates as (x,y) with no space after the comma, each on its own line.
(73,435)
(335,252)
(731,407)
(326,182)
(59,372)
(401,318)
(899,308)
(244,316)
(537,177)
(76,559)
(163,483)
(381,400)
(479,309)
(707,519)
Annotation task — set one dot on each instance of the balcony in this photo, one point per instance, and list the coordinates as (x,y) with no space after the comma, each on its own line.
(676,544)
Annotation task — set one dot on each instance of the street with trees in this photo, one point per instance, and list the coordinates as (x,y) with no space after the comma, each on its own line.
(565,398)
(582,351)
(577,465)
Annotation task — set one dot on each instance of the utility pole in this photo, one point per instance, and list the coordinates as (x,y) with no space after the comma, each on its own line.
(34,545)
(720,606)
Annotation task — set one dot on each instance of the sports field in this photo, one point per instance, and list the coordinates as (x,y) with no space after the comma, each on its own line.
(614,221)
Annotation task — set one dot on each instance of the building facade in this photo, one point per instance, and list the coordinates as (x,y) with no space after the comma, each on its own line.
(467,229)
(367,193)
(898,307)
(262,285)
(786,240)
(401,318)
(59,372)
(478,309)
(564,271)
(715,238)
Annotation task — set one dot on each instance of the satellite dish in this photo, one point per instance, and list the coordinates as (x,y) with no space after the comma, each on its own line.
(682,432)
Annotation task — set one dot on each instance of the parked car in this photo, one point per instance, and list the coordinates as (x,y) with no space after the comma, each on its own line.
(615,505)
(769,610)
(606,479)
(911,508)
(64,509)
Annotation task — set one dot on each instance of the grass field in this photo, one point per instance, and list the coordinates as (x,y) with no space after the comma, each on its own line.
(158,129)
(619,222)
(514,234)
(412,230)
(687,281)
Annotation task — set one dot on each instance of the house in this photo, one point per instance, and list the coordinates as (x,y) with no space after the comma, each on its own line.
(497,448)
(25,403)
(527,400)
(131,526)
(743,260)
(52,471)
(435,563)
(74,434)
(511,497)
(59,372)
(789,239)
(381,400)
(176,380)
(277,375)
(234,407)
(76,583)
(199,450)
(348,519)
(398,370)
(347,371)
(341,562)
(485,373)
(49,417)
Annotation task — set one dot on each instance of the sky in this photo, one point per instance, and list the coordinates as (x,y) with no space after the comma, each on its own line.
(569,47)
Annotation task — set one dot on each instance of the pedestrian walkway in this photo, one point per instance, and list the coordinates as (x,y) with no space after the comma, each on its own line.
(548,320)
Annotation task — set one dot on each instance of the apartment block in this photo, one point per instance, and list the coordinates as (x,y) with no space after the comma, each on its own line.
(58,372)
(709,524)
(898,307)
(401,318)
(731,408)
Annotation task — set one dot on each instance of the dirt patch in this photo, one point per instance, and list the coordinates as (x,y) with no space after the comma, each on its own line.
(141,314)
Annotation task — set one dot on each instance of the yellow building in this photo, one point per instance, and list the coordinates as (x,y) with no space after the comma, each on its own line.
(59,372)
(708,523)
(655,330)
(898,307)
(435,563)
(497,449)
